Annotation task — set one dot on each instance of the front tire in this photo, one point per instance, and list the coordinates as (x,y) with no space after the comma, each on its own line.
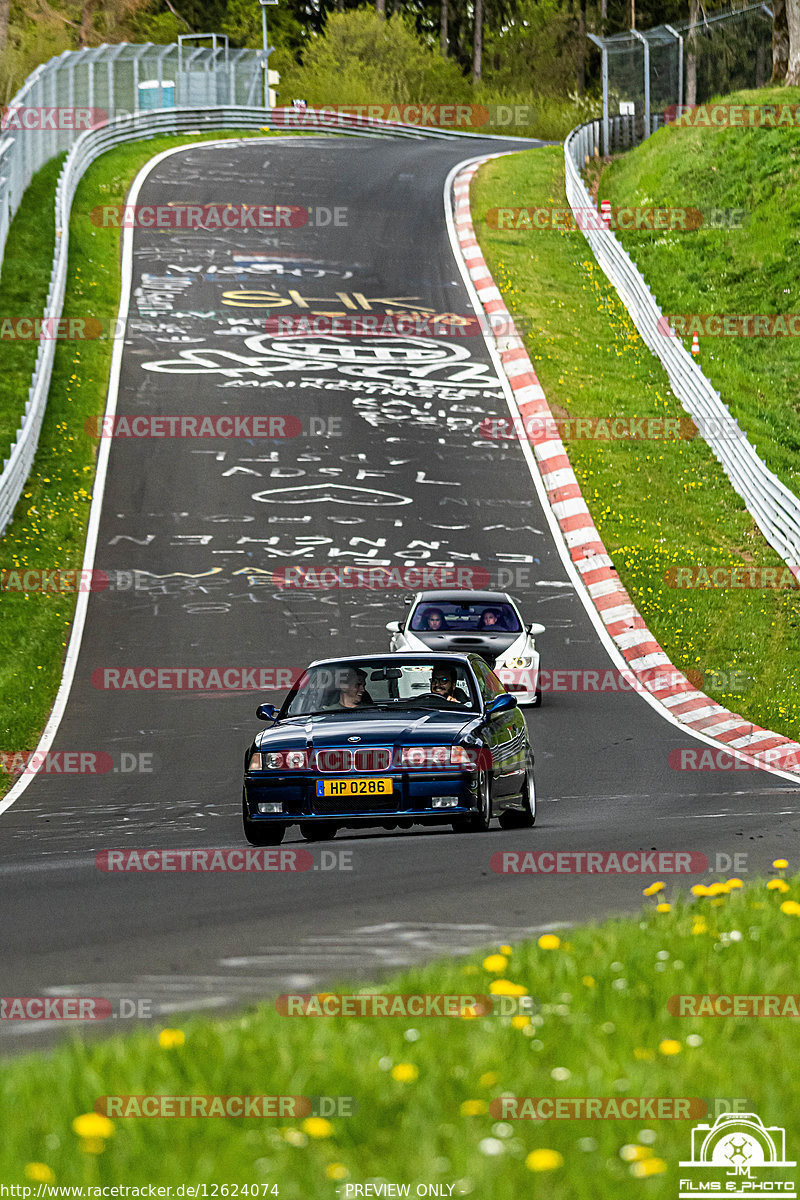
(514,819)
(261,833)
(479,821)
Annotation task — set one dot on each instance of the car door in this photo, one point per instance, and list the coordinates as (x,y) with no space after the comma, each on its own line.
(505,734)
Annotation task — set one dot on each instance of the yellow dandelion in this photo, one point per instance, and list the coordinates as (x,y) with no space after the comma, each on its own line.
(587,981)
(520,1022)
(642,1054)
(489,1078)
(700,889)
(650,1166)
(548,941)
(336,1170)
(653,889)
(699,925)
(777,885)
(507,950)
(470,1011)
(168,1038)
(664,908)
(669,1046)
(405,1072)
(790,907)
(544,1160)
(781,864)
(495,963)
(474,1108)
(633,1152)
(93,1125)
(504,987)
(717,889)
(735,883)
(317,1127)
(39,1172)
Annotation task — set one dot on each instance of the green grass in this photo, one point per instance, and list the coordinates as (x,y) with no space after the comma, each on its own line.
(754,269)
(49,525)
(599,1026)
(656,504)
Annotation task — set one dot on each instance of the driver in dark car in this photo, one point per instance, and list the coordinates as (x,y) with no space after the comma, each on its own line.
(443,684)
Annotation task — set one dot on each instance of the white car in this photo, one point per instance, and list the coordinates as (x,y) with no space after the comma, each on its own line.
(485,623)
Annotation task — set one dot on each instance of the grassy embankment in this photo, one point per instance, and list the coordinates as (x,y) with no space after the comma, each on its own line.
(662,504)
(599,1026)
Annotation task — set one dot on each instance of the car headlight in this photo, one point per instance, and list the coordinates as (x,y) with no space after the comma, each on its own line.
(275,760)
(425,756)
(518,662)
(465,757)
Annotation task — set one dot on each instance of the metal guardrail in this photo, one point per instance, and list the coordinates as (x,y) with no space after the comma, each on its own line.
(88,147)
(775,509)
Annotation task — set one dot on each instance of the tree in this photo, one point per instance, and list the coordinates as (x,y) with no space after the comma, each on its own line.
(793,23)
(477,42)
(780,41)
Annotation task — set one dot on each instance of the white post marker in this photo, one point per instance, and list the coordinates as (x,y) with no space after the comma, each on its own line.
(605,213)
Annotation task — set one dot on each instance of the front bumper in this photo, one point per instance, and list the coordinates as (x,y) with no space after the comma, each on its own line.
(412,797)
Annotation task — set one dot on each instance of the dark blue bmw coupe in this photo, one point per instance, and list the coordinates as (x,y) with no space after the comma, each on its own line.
(390,740)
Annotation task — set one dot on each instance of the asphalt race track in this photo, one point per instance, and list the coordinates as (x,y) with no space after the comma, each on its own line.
(391,471)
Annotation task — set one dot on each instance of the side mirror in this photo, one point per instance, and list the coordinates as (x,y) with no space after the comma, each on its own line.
(267,712)
(408,598)
(535,629)
(500,704)
(393,626)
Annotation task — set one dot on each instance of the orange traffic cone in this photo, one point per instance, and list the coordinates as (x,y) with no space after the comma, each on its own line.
(695,345)
(605,213)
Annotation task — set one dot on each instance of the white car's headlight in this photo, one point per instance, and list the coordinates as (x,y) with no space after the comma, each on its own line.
(518,662)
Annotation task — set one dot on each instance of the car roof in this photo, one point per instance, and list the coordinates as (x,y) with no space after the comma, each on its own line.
(388,656)
(463,595)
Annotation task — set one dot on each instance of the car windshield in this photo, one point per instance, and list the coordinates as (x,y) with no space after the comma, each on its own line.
(383,687)
(445,616)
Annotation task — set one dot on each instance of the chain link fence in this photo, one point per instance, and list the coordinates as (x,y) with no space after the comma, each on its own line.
(83,89)
(646,71)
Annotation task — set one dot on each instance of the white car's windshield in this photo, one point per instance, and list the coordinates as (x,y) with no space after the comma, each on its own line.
(384,686)
(451,617)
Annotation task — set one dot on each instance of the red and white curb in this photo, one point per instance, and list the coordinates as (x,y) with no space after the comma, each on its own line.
(644,656)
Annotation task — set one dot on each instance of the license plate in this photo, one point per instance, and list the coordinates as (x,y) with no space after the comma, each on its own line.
(354,787)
